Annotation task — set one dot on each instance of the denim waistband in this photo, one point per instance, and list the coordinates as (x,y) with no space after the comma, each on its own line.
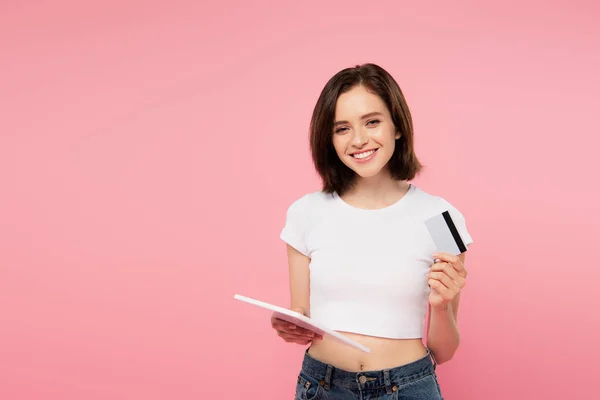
(329,375)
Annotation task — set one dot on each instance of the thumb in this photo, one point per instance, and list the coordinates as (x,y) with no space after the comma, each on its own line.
(300,310)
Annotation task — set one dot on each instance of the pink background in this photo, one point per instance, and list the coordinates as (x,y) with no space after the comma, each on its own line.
(148,153)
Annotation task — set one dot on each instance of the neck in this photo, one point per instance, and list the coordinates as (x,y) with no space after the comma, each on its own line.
(381,189)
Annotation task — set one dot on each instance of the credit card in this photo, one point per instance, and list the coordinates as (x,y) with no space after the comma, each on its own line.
(444,234)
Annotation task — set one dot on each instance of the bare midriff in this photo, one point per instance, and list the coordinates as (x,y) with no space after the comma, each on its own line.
(385,353)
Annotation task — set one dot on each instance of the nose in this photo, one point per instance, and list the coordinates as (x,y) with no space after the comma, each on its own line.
(360,138)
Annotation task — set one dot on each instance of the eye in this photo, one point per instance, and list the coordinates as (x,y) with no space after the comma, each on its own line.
(375,121)
(340,130)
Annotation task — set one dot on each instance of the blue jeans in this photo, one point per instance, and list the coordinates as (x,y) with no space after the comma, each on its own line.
(414,381)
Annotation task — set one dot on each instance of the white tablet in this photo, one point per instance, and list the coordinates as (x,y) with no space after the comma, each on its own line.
(303,321)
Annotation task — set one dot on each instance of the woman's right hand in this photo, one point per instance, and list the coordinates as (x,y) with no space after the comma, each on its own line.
(292,333)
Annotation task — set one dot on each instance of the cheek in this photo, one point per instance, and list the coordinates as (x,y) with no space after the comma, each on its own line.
(339,145)
(386,139)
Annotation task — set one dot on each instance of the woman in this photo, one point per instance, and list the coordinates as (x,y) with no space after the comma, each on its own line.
(361,260)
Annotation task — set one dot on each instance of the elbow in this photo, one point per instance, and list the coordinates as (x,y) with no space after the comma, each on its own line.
(445,352)
(439,360)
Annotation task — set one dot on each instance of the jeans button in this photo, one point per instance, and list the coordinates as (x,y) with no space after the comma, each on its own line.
(362,379)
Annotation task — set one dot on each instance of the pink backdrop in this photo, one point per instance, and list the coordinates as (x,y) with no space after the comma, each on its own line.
(148,153)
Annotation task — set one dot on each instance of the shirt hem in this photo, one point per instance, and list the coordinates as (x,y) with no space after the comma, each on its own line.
(404,335)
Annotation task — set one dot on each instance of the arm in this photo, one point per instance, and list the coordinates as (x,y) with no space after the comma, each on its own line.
(299,272)
(446,280)
(300,299)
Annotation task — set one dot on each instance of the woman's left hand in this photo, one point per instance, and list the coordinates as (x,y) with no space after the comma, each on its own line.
(447,277)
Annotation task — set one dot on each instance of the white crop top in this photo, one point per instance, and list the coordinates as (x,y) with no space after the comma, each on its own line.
(368,267)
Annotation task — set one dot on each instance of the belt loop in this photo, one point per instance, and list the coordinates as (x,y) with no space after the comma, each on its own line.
(387,381)
(327,383)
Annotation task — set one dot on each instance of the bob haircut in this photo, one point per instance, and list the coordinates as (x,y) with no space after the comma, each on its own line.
(336,176)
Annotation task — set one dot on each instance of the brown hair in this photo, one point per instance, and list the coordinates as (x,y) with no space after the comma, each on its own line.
(336,176)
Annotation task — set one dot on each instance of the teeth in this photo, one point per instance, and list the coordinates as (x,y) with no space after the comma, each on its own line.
(365,154)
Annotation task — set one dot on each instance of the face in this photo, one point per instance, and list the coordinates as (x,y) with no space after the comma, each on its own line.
(364,136)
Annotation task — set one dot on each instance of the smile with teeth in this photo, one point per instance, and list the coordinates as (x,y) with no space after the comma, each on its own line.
(364,154)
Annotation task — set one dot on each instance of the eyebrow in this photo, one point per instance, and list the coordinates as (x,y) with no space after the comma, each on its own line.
(371,114)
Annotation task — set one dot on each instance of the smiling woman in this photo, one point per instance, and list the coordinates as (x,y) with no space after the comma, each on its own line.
(362,109)
(361,260)
(370,139)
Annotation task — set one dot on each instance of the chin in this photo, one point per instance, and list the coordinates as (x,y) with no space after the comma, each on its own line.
(366,173)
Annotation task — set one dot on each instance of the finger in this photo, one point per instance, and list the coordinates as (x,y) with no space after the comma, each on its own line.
(453,260)
(447,257)
(298,341)
(287,335)
(443,279)
(275,320)
(306,334)
(441,289)
(280,324)
(295,338)
(301,331)
(297,331)
(447,269)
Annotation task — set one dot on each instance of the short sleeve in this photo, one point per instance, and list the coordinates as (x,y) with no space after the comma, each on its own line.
(459,222)
(294,230)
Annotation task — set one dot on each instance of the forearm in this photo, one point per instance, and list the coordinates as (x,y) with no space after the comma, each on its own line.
(443,336)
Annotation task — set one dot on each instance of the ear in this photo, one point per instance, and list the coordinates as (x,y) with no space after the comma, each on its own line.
(398,135)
